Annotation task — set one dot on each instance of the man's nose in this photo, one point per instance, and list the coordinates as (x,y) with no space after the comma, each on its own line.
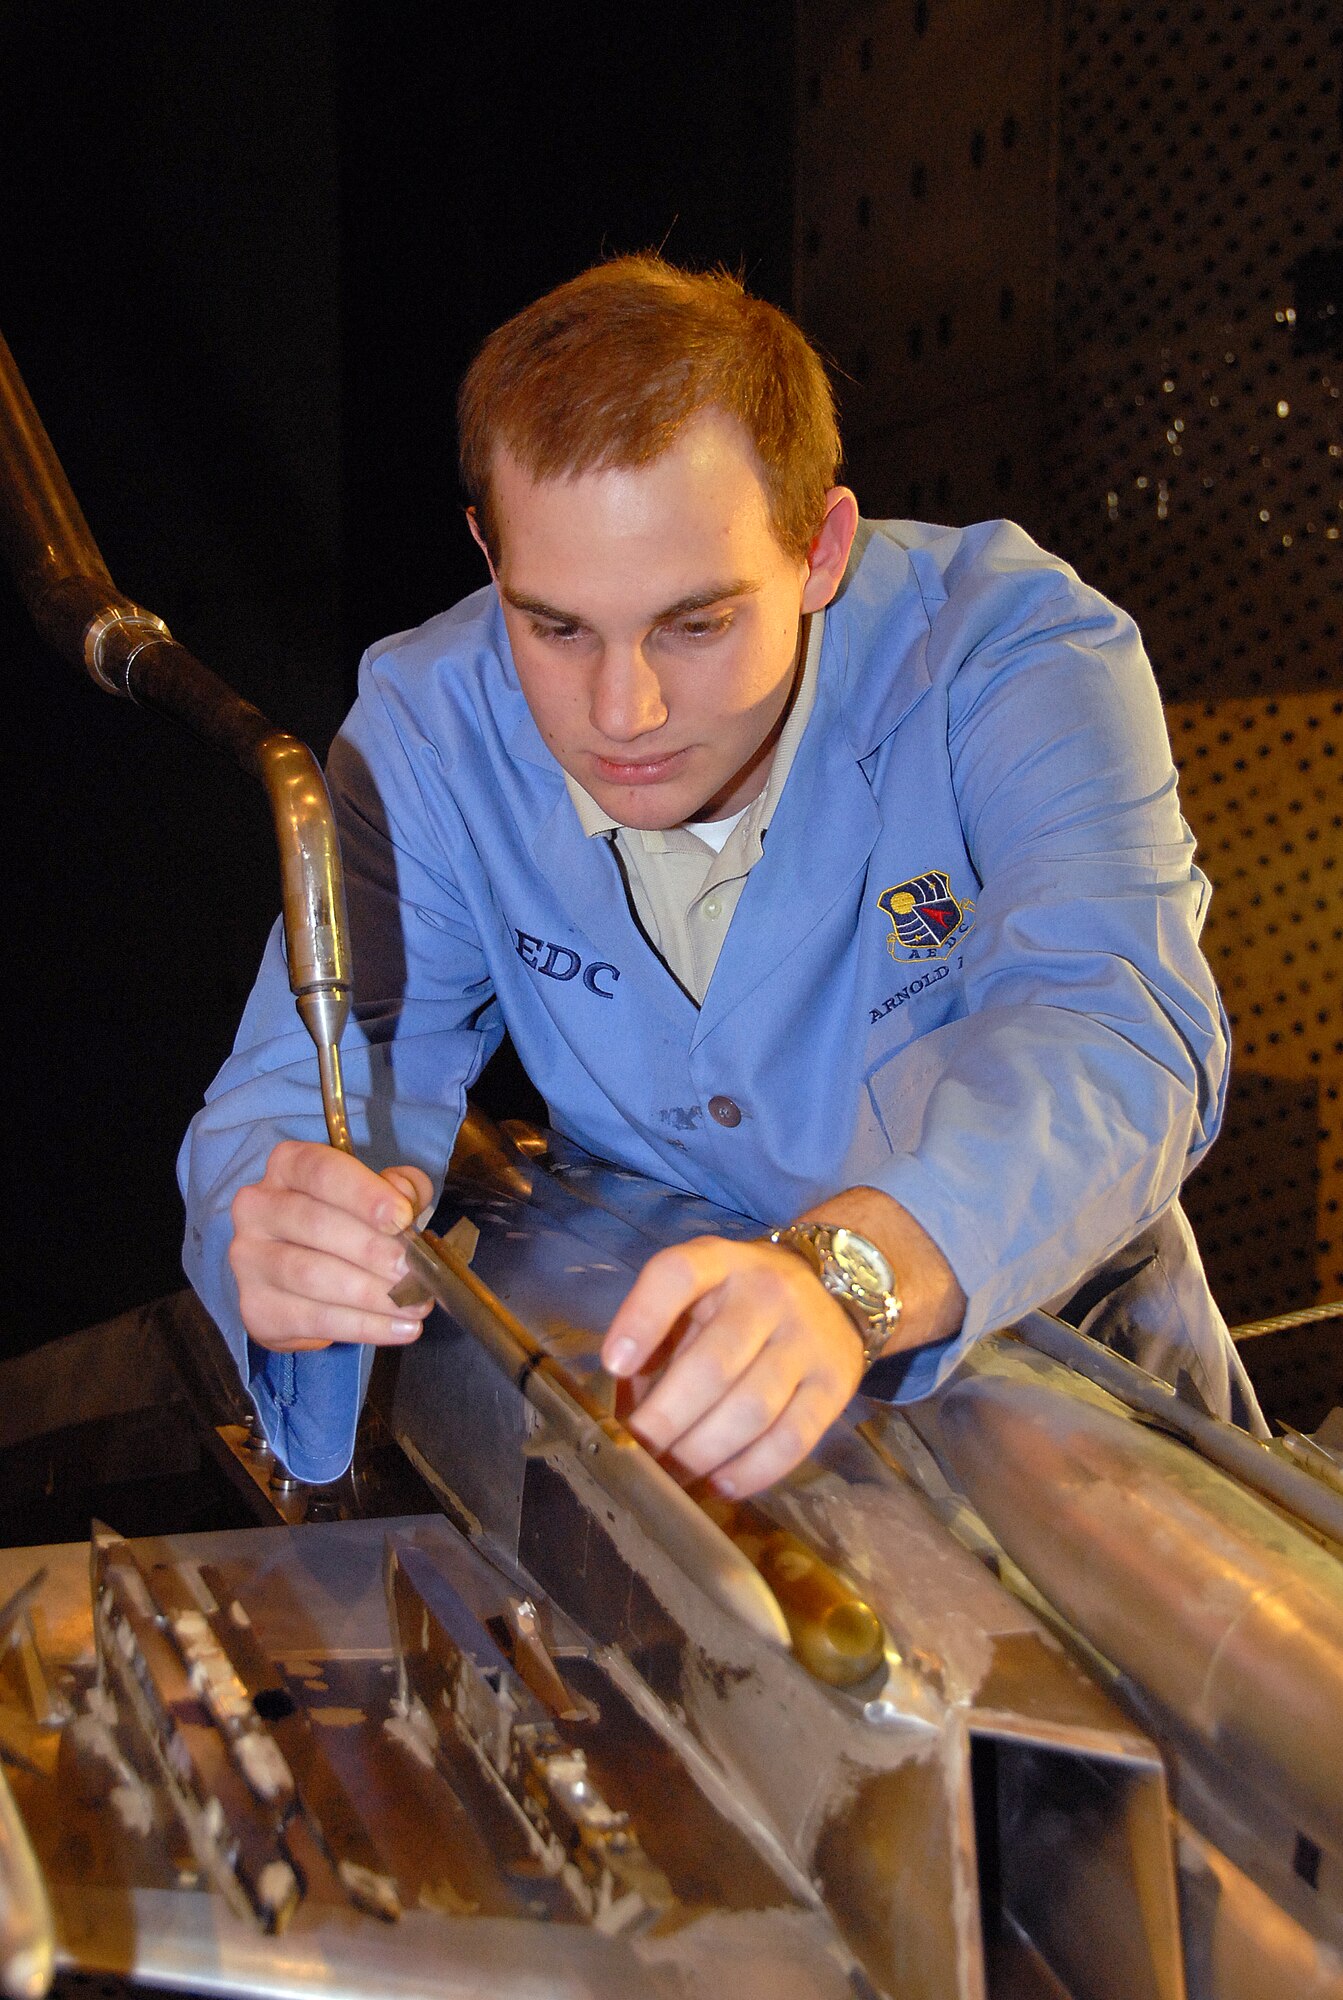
(627,696)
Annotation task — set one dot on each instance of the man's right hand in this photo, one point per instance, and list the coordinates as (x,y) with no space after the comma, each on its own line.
(315,1251)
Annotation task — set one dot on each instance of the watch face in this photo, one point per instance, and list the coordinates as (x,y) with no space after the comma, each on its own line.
(865,1270)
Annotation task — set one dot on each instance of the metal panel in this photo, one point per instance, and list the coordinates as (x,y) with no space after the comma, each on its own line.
(1196,474)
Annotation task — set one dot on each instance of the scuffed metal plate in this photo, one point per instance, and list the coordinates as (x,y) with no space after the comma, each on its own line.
(128,1893)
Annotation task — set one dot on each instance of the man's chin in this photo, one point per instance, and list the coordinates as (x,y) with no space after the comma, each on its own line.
(641,808)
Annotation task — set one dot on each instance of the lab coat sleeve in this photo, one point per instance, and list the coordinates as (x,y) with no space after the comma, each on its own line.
(1037,1134)
(423,1023)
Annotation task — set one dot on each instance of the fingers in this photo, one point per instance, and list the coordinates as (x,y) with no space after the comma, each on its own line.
(288,1217)
(716,1358)
(316,1253)
(764,1362)
(417,1187)
(307,1324)
(735,1416)
(343,1182)
(669,1285)
(801,1425)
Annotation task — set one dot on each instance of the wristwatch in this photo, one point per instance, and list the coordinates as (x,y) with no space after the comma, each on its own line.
(854,1272)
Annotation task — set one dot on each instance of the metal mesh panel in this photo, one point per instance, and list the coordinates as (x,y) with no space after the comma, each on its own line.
(1167,223)
(922,247)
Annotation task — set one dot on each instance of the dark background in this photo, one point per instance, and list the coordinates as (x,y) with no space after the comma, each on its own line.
(245,254)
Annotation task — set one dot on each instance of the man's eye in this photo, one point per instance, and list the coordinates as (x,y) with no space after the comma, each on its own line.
(561,634)
(705,628)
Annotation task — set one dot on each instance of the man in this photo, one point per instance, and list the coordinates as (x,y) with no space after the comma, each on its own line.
(832,871)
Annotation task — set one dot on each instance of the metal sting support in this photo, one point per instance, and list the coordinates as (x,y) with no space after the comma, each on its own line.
(129,651)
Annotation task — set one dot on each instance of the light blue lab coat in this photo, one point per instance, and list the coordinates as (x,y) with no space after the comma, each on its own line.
(965,971)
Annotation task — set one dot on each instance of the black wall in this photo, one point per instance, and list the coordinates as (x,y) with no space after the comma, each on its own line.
(245,253)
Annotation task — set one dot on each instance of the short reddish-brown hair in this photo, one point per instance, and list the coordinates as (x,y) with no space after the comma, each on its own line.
(606,371)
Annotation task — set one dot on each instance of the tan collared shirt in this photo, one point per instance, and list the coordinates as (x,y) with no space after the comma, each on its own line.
(683,895)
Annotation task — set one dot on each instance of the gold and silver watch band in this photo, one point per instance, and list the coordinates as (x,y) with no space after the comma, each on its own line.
(857,1275)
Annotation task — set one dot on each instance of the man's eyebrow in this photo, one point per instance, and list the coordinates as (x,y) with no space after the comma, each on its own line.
(698,600)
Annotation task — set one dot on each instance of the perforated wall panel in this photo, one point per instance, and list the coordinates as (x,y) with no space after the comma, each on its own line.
(1262,782)
(923,246)
(1160,403)
(1194,471)
(1196,460)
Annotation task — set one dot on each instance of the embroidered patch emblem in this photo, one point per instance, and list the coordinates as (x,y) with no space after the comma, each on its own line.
(926,919)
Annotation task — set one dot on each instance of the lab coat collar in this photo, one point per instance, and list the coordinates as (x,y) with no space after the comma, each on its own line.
(823,830)
(874,666)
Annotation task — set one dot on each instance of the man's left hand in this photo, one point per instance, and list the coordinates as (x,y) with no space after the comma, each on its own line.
(760,1360)
(764,1359)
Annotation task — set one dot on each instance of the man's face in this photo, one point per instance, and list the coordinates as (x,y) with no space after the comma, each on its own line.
(654,621)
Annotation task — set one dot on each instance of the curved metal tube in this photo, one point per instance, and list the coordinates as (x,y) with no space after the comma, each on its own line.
(1198,1591)
(1256,1465)
(129,651)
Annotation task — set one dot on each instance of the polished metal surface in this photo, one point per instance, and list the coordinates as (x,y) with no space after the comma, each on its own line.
(127,618)
(316,926)
(417,1876)
(1254,1463)
(836,1634)
(163,1676)
(1319,1459)
(974,1789)
(1237,1706)
(454,1680)
(45,537)
(1075,1613)
(1222,1611)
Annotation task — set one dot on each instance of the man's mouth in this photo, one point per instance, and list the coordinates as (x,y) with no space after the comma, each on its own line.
(639,770)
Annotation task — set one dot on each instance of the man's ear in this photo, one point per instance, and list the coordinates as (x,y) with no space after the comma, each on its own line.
(829,553)
(477,536)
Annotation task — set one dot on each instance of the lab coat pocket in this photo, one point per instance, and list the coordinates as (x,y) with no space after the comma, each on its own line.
(900,1085)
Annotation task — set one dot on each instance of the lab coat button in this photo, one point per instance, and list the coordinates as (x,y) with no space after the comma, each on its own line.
(724,1112)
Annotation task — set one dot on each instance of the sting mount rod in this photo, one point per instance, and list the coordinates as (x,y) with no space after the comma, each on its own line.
(129,651)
